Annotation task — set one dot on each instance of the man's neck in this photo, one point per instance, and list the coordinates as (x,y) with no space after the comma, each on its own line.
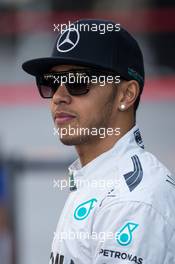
(90,151)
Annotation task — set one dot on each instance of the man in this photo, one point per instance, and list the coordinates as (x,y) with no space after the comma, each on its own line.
(130,218)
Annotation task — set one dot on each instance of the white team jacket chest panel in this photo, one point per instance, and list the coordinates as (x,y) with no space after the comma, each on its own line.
(73,232)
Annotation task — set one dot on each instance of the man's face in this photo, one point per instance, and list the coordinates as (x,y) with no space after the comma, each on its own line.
(95,109)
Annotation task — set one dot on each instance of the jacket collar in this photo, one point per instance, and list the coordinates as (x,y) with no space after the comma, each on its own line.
(104,163)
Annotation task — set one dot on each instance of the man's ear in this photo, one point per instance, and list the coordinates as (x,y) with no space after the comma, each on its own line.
(129,91)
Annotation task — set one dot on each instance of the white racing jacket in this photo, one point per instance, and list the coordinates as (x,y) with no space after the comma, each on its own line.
(121,209)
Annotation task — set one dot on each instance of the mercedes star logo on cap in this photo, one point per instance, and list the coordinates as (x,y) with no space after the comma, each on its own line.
(68,40)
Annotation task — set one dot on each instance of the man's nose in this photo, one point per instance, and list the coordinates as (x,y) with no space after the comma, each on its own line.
(62,95)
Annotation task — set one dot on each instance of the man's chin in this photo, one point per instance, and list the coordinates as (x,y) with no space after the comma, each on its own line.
(73,140)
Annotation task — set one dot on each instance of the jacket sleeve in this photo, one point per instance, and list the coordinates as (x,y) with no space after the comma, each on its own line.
(130,232)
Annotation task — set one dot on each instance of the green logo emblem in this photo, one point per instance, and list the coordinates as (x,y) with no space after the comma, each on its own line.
(124,235)
(83,210)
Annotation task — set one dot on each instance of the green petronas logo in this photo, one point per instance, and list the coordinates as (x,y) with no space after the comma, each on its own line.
(83,210)
(124,235)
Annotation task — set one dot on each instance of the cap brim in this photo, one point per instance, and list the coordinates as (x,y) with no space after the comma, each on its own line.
(42,65)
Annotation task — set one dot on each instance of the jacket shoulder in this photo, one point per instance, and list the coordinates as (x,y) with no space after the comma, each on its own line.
(147,181)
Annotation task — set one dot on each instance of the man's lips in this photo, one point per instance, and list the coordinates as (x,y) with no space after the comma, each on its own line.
(62,117)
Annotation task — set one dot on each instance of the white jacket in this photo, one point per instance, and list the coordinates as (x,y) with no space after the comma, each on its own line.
(121,209)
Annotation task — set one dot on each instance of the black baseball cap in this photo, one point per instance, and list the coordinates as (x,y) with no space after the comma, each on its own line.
(83,43)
